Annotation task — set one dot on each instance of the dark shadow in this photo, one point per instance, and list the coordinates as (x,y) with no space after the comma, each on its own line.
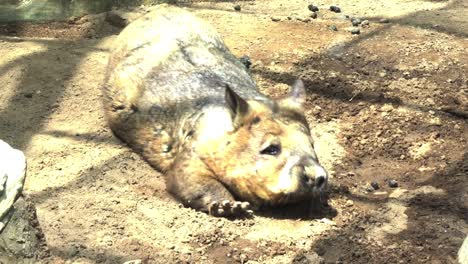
(35,99)
(301,211)
(106,138)
(422,237)
(86,178)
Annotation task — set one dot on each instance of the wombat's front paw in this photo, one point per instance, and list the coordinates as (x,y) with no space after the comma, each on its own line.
(230,208)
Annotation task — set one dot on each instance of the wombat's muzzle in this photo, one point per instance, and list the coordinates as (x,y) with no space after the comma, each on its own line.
(314,175)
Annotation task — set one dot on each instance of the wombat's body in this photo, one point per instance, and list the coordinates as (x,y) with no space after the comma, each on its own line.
(177,95)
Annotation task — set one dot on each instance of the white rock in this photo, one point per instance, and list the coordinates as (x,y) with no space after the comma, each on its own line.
(463,253)
(12,175)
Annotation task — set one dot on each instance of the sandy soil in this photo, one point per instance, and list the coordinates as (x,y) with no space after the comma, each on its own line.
(388,104)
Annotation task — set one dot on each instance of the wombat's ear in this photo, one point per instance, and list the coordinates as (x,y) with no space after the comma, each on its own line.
(297,96)
(238,106)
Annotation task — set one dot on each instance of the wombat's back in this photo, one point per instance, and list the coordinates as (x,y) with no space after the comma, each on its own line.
(171,57)
(166,67)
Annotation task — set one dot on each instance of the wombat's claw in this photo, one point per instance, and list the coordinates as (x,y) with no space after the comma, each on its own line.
(230,208)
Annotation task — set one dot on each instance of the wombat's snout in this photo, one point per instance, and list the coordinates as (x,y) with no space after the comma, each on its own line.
(315,176)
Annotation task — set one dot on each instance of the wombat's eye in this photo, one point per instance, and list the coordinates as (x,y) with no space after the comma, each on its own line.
(271,150)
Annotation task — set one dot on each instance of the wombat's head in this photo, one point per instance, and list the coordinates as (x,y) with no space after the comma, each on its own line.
(268,157)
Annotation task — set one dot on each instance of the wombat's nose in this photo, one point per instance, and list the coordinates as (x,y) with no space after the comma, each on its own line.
(315,176)
(320,181)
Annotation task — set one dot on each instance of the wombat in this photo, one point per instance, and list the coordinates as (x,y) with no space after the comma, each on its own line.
(176,95)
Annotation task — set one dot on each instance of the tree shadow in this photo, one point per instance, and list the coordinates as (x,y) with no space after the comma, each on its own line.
(43,78)
(449,19)
(434,230)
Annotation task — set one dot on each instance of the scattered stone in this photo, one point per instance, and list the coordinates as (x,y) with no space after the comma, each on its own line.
(28,95)
(375,185)
(406,75)
(243,258)
(333,27)
(392,183)
(116,19)
(237,7)
(305,20)
(380,193)
(313,8)
(355,31)
(349,203)
(335,9)
(246,61)
(327,221)
(275,19)
(365,23)
(356,22)
(135,261)
(314,15)
(384,20)
(369,188)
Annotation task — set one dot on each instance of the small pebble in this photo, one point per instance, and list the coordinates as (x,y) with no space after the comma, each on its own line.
(313,15)
(384,20)
(369,189)
(335,9)
(375,185)
(349,203)
(334,28)
(246,61)
(392,183)
(313,8)
(356,22)
(237,7)
(365,23)
(28,95)
(305,20)
(275,19)
(355,31)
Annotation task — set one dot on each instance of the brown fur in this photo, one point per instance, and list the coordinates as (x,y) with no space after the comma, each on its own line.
(192,110)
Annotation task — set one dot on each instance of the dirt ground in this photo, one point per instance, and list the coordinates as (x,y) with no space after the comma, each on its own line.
(388,104)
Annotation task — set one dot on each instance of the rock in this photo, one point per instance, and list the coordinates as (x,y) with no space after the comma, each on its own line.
(28,95)
(22,237)
(333,27)
(384,20)
(356,22)
(275,19)
(375,185)
(237,7)
(302,19)
(121,19)
(246,61)
(307,258)
(313,8)
(369,189)
(392,183)
(335,9)
(135,261)
(313,15)
(349,203)
(365,23)
(115,19)
(355,31)
(463,252)
(12,176)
